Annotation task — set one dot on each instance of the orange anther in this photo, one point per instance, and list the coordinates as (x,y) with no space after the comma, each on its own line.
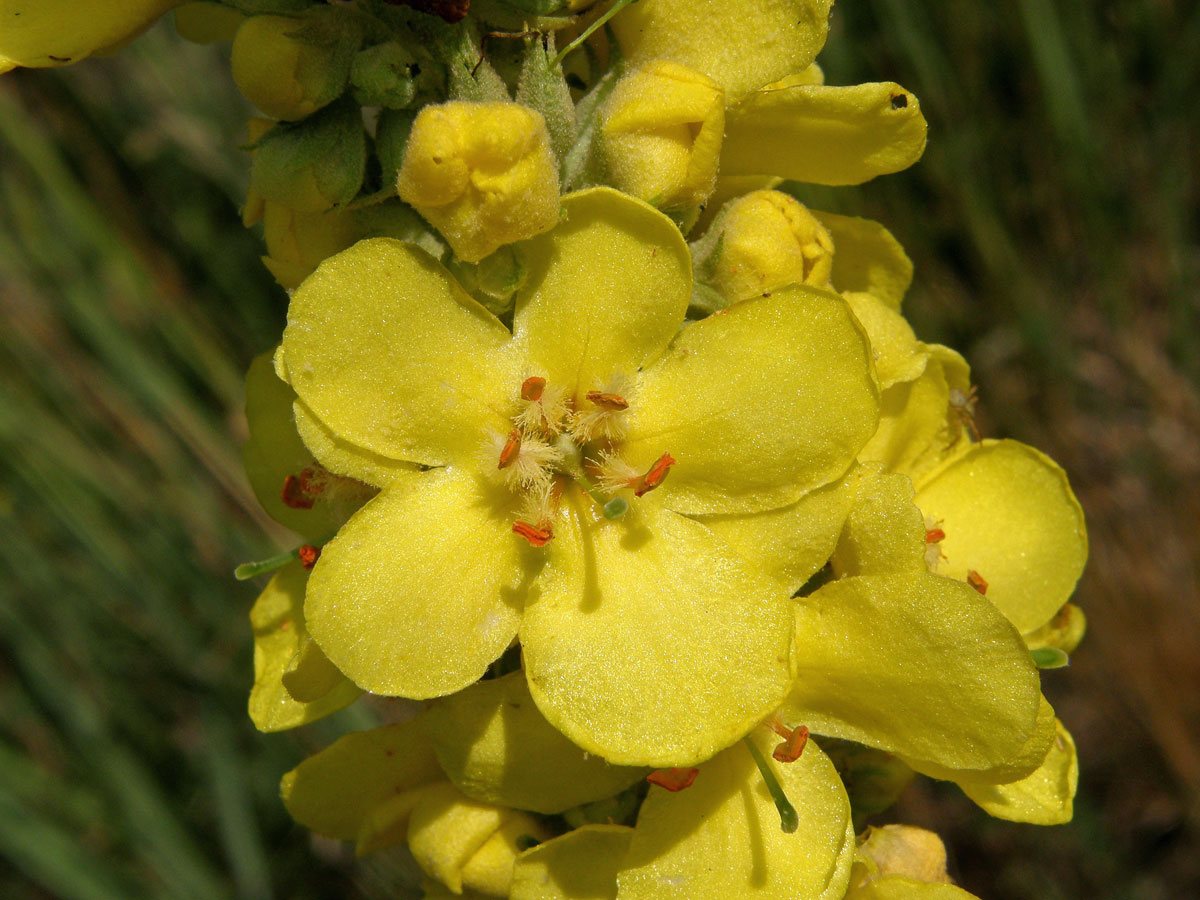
(975,580)
(294,494)
(309,555)
(614,402)
(512,447)
(792,746)
(933,535)
(656,475)
(531,388)
(673,779)
(537,536)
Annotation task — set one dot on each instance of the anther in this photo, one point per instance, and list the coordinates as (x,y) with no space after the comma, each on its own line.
(614,402)
(673,779)
(933,535)
(308,555)
(294,495)
(975,580)
(656,475)
(538,536)
(511,449)
(532,388)
(792,746)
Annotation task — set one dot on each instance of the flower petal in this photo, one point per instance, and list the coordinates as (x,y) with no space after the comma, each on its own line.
(1009,514)
(1044,798)
(334,791)
(824,135)
(343,458)
(652,642)
(495,746)
(390,353)
(421,590)
(916,665)
(898,355)
(793,542)
(867,258)
(580,865)
(743,44)
(607,290)
(759,404)
(720,838)
(278,622)
(900,887)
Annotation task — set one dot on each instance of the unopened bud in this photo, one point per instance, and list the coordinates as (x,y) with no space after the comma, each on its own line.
(58,32)
(482,174)
(662,132)
(761,242)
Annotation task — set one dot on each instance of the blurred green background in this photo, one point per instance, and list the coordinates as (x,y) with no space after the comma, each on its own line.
(1053,222)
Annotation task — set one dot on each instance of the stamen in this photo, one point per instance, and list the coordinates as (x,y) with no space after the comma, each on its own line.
(294,495)
(614,402)
(933,535)
(673,779)
(308,555)
(512,447)
(975,580)
(538,536)
(656,475)
(532,388)
(789,821)
(792,746)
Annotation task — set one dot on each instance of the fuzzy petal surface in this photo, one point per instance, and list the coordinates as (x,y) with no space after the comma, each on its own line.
(1045,797)
(580,865)
(335,791)
(758,405)
(421,590)
(279,634)
(495,746)
(824,135)
(606,291)
(793,542)
(1009,514)
(916,665)
(900,887)
(633,619)
(720,838)
(394,357)
(343,458)
(742,44)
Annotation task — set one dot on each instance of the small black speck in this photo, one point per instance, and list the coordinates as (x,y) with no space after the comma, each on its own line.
(62,59)
(414,70)
(900,101)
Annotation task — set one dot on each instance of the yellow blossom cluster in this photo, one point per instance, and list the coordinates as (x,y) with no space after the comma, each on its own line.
(617,460)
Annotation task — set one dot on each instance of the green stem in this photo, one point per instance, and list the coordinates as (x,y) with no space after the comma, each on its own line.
(612,11)
(789,821)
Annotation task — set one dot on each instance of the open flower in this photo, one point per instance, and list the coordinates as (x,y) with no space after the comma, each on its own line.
(646,638)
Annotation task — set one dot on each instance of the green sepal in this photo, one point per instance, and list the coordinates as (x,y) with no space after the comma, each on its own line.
(583,164)
(385,75)
(494,280)
(471,76)
(541,86)
(330,146)
(338,34)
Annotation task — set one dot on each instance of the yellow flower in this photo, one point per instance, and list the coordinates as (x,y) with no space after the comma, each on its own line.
(781,119)
(662,129)
(40,33)
(900,862)
(623,621)
(483,174)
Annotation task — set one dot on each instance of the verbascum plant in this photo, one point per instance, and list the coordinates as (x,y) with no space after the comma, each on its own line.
(621,463)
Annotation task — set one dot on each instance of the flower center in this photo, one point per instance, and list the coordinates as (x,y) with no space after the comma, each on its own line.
(555,442)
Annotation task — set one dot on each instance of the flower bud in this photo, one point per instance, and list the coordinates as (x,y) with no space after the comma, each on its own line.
(662,131)
(291,67)
(390,75)
(297,242)
(312,165)
(905,850)
(760,242)
(58,32)
(482,174)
